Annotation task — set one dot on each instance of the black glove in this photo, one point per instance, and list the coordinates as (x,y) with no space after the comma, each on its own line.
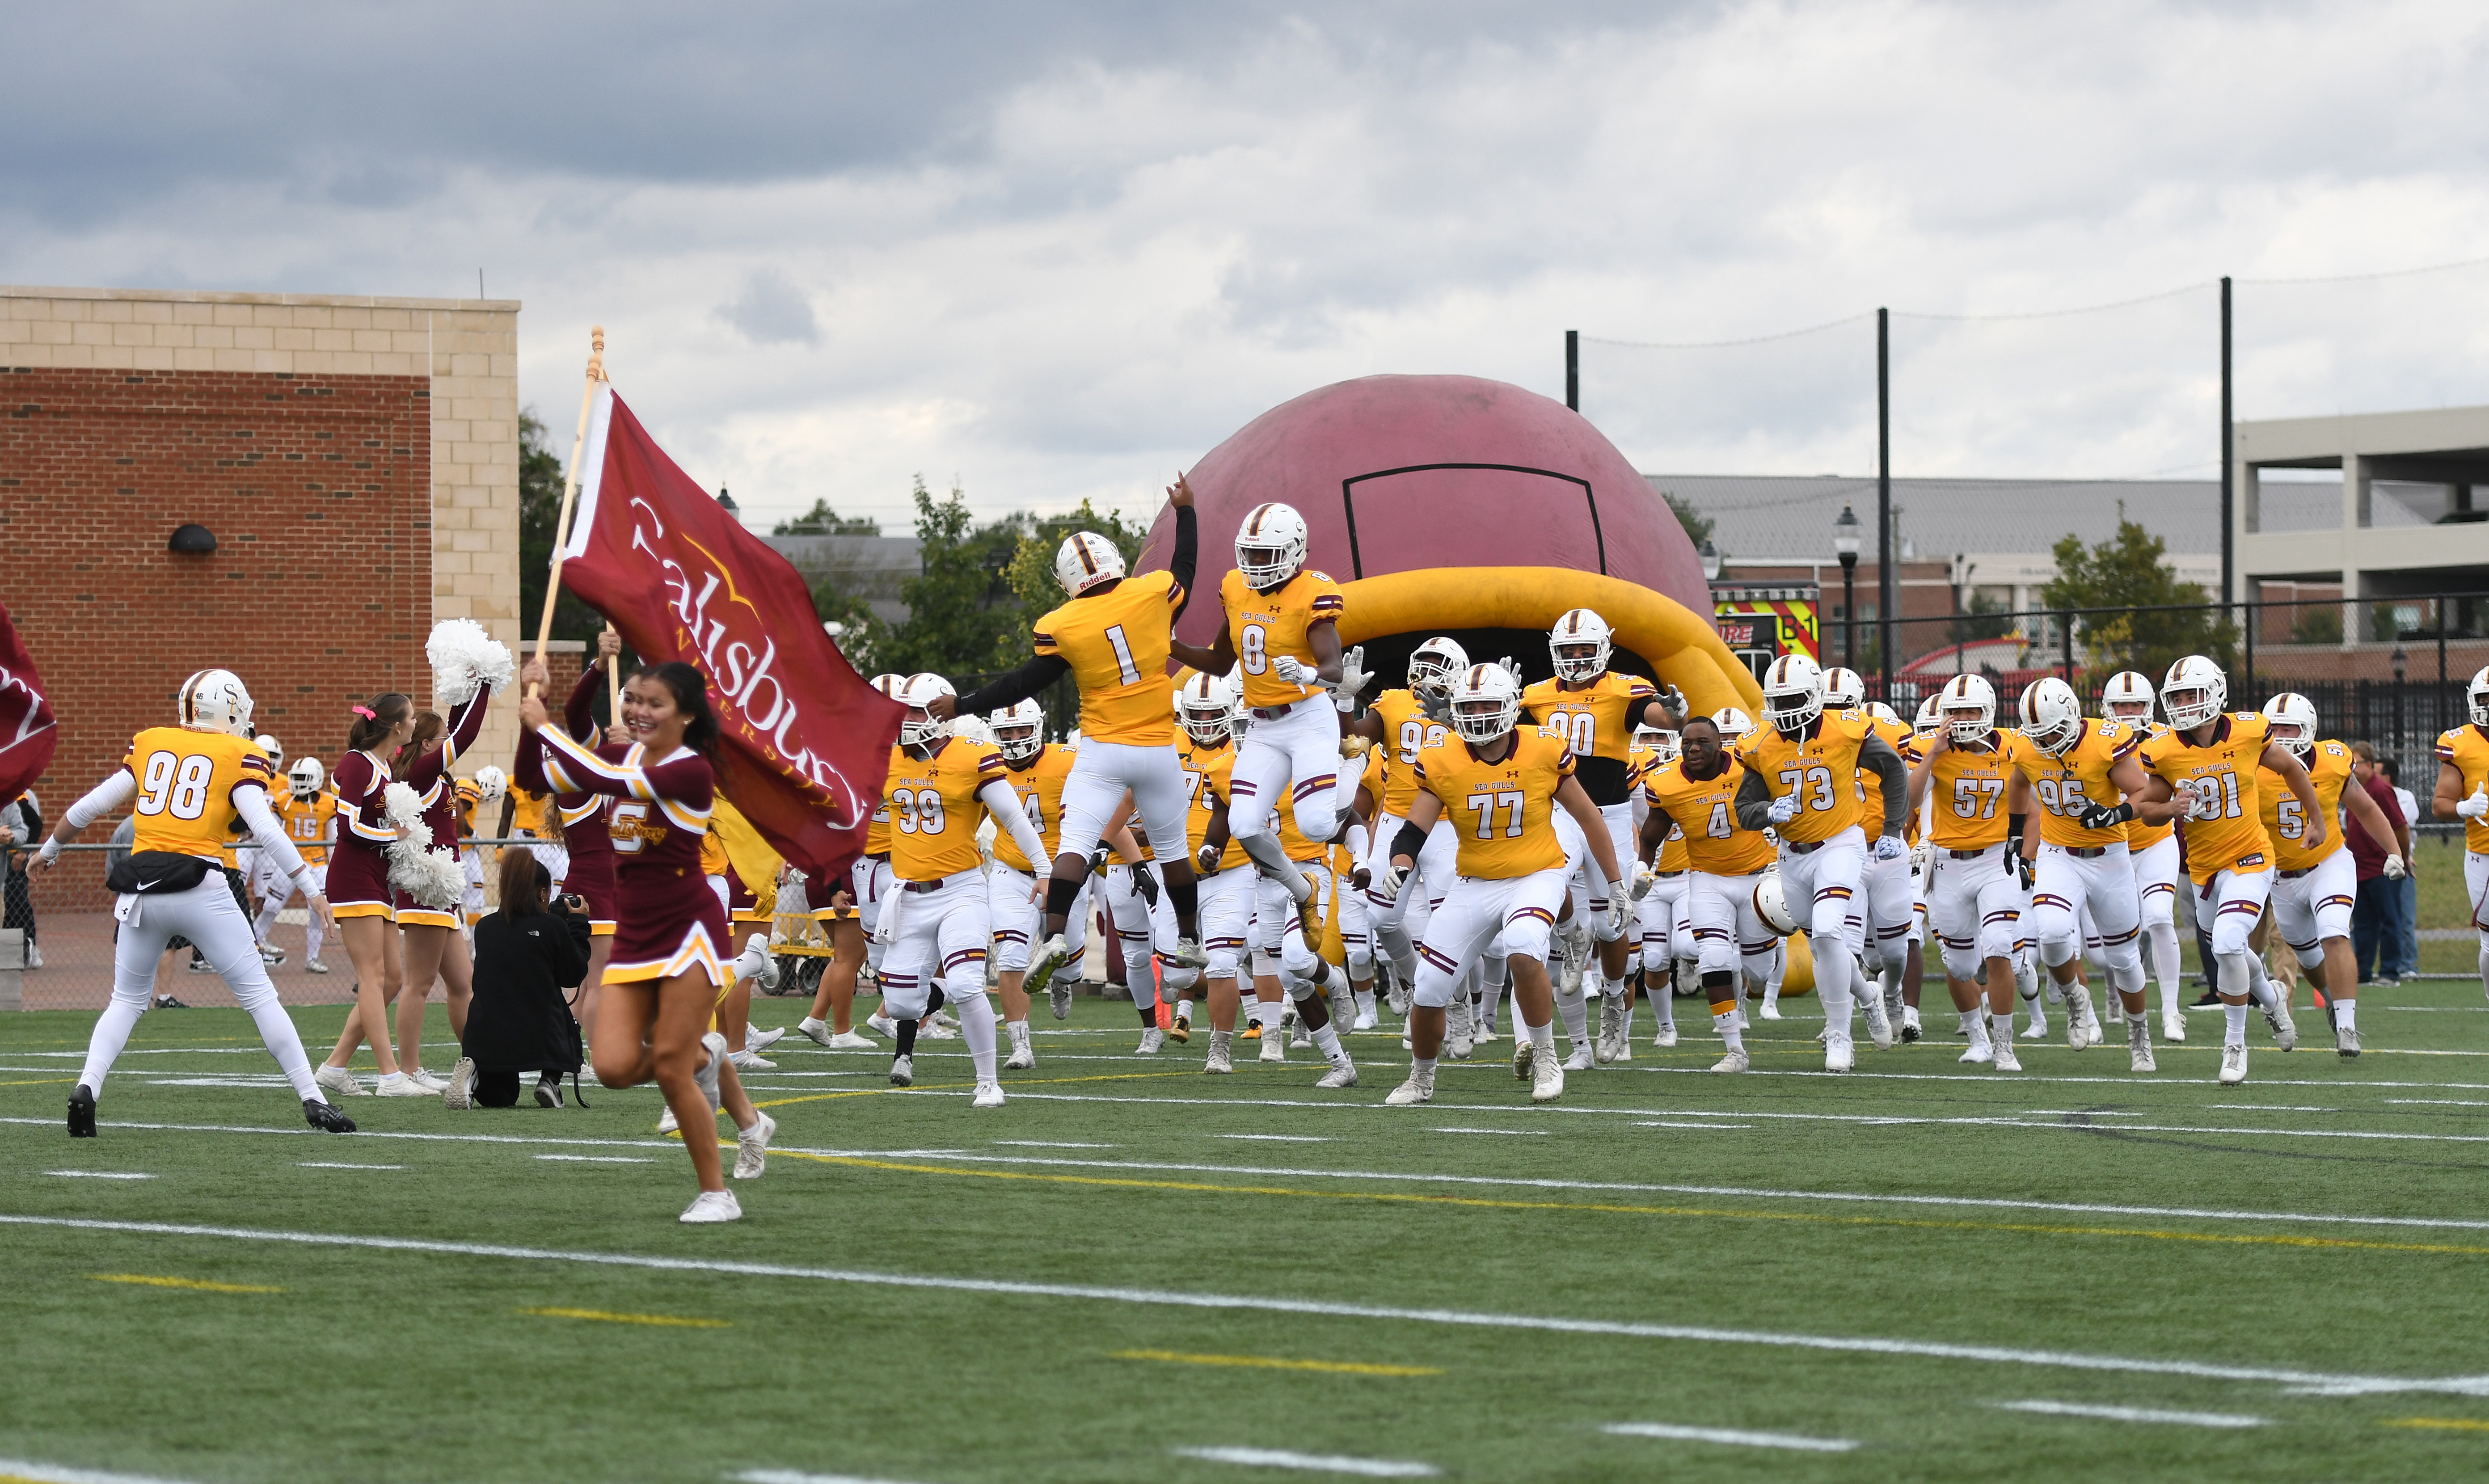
(1146,882)
(2100,817)
(1098,860)
(2021,863)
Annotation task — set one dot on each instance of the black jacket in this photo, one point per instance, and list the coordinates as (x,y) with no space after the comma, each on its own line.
(520,1020)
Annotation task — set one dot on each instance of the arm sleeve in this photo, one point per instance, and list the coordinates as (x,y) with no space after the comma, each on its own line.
(579,713)
(1018,686)
(566,766)
(1877,754)
(358,803)
(1187,558)
(466,722)
(250,801)
(1754,801)
(1004,805)
(100,800)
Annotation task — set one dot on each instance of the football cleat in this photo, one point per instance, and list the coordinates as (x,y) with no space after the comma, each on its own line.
(2002,1054)
(338,1082)
(1023,1057)
(1980,1054)
(1419,1088)
(1188,955)
(932,1028)
(2138,1045)
(1052,954)
(1343,1075)
(81,1112)
(1058,995)
(1581,1058)
(1609,1045)
(1457,1042)
(1910,1032)
(989,1095)
(2234,1064)
(1735,1060)
(1180,1029)
(1663,1039)
(902,1071)
(460,1095)
(1523,1050)
(1151,1041)
(1220,1061)
(1839,1054)
(2346,1039)
(2083,1024)
(1274,1044)
(1880,1025)
(710,1207)
(2173,1025)
(1546,1079)
(270,955)
(751,1148)
(2285,1031)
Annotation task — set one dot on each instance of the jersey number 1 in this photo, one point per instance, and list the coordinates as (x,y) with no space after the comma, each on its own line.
(1132,674)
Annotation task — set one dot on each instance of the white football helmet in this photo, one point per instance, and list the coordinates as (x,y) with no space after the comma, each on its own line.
(1207,707)
(887,684)
(1930,717)
(1969,705)
(1733,723)
(2052,715)
(1270,546)
(1793,692)
(1432,665)
(1883,713)
(1771,904)
(2127,697)
(2477,694)
(307,776)
(491,782)
(1579,643)
(1843,690)
(1661,742)
(2294,723)
(215,700)
(1019,730)
(1486,702)
(1086,559)
(918,727)
(2204,688)
(274,749)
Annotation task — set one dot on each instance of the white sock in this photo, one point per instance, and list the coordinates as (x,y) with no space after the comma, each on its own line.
(2000,1027)
(2234,1024)
(111,1033)
(1575,1009)
(1326,1041)
(976,1026)
(1019,1031)
(1364,1004)
(1975,1021)
(2160,941)
(1542,1036)
(2346,1014)
(284,1043)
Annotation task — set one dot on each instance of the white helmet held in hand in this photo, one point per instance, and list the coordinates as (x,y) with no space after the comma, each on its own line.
(2194,692)
(1843,690)
(1969,705)
(1019,730)
(307,776)
(1771,905)
(1931,716)
(1432,665)
(215,700)
(2294,723)
(2052,715)
(919,725)
(1486,702)
(1579,643)
(491,782)
(1270,546)
(1792,692)
(2127,697)
(1661,742)
(1733,723)
(1086,559)
(1206,708)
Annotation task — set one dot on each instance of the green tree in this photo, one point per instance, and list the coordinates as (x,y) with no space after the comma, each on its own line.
(2130,575)
(540,484)
(822,521)
(963,617)
(1968,629)
(1698,526)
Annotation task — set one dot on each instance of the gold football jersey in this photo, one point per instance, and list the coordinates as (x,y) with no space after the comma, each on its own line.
(1706,810)
(1116,643)
(1504,811)
(1818,771)
(935,810)
(307,823)
(1207,772)
(1266,625)
(2285,823)
(185,784)
(1040,788)
(1970,790)
(2467,747)
(2065,787)
(2220,779)
(1405,733)
(1593,718)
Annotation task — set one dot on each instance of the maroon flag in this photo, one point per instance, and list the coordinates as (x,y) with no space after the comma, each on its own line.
(27,736)
(806,742)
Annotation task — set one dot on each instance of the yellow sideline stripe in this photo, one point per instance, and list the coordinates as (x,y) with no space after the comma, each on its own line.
(37,1081)
(1273,1363)
(954,1087)
(2456,1424)
(668,1320)
(202,1285)
(1473,1202)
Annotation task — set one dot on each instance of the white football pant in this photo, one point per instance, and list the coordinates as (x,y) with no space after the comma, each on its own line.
(1100,773)
(941,936)
(208,916)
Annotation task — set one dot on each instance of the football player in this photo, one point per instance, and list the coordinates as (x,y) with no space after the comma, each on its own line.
(1206,707)
(256,875)
(2152,849)
(2315,882)
(939,922)
(1801,768)
(1036,769)
(2214,759)
(1723,859)
(1597,710)
(190,787)
(1402,723)
(1881,930)
(1501,783)
(2463,793)
(1660,902)
(1975,889)
(1112,637)
(2083,772)
(1282,635)
(309,813)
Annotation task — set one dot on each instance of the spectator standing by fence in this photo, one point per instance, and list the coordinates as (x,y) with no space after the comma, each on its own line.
(21,829)
(2377,910)
(2407,960)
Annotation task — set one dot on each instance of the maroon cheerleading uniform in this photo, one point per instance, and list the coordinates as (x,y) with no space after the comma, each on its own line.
(429,778)
(666,920)
(585,830)
(358,871)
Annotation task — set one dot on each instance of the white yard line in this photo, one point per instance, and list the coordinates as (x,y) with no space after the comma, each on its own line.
(1051,1144)
(599,1158)
(1731,1437)
(334,1164)
(1314,1462)
(2134,1414)
(2304,1382)
(97,1175)
(57,1473)
(1280,1138)
(791,1476)
(1532,1132)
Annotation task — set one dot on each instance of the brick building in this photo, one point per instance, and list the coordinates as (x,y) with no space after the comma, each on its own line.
(354,459)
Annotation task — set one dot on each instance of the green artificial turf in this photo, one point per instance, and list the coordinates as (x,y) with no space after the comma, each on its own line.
(1115,1172)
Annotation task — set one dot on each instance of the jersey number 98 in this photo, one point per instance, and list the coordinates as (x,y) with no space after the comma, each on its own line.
(184,778)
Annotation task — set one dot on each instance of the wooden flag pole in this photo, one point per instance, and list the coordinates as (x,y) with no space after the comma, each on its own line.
(569,493)
(612,689)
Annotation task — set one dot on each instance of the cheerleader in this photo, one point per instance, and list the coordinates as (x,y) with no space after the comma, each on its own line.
(665,970)
(193,783)
(359,896)
(581,821)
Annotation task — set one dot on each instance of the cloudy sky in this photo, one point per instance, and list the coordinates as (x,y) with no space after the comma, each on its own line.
(1057,250)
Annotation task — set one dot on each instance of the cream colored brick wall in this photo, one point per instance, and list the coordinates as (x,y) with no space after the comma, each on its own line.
(468,347)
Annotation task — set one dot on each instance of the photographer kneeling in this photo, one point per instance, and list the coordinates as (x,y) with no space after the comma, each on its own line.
(527,953)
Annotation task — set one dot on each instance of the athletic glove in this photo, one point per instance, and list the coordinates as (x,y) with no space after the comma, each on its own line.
(1098,860)
(1619,907)
(1353,678)
(1205,860)
(2206,806)
(1361,878)
(1643,880)
(2394,867)
(2021,865)
(1784,808)
(2476,807)
(1673,701)
(2100,817)
(1388,885)
(1889,847)
(1146,882)
(1295,671)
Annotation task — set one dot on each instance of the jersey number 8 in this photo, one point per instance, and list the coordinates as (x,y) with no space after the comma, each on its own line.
(187,778)
(1253,648)
(919,811)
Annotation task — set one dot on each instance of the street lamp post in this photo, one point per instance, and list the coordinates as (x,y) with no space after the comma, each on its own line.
(1710,561)
(1844,544)
(2401,660)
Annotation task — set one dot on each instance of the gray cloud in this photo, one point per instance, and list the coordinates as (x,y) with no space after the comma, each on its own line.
(772,310)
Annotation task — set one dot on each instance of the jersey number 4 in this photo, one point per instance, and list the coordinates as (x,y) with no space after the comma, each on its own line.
(176,785)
